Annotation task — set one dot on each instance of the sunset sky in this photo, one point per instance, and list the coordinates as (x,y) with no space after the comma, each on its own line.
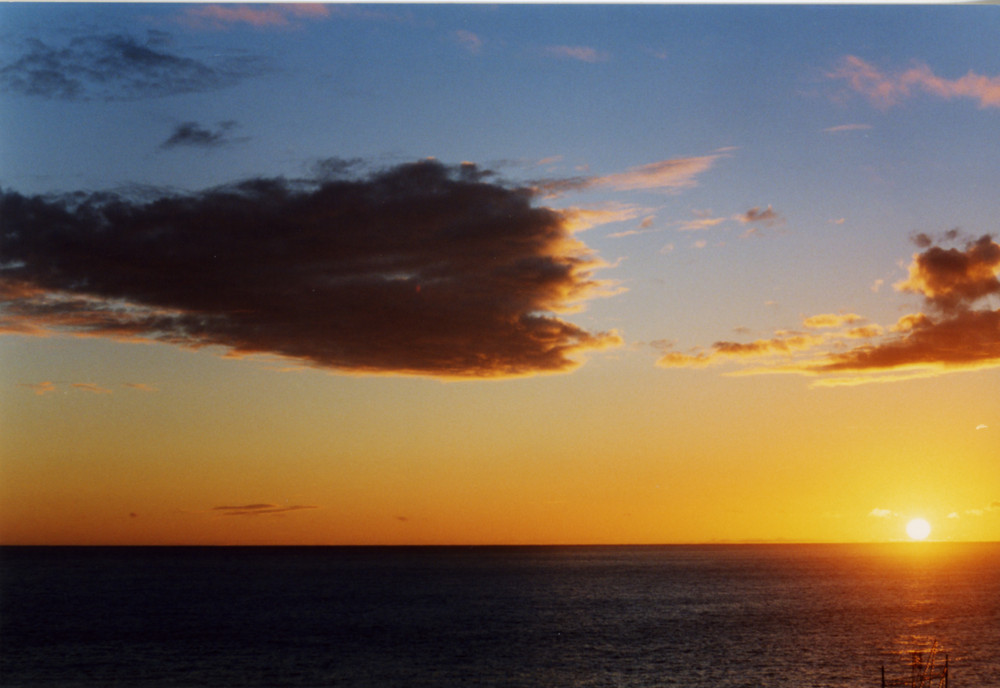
(450,274)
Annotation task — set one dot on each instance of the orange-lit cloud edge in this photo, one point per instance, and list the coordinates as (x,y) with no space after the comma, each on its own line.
(953,333)
(433,270)
(469,286)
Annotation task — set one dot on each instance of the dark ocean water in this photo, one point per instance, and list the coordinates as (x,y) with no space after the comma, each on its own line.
(798,615)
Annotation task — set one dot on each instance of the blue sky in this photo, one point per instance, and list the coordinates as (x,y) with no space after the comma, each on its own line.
(691,184)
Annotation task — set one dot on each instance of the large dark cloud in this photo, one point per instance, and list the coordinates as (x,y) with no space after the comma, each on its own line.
(117,67)
(418,269)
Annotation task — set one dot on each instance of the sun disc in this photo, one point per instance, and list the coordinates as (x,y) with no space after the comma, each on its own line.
(918,529)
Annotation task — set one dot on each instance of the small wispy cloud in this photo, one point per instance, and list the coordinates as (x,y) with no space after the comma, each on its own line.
(704,219)
(646,226)
(676,173)
(987,511)
(192,134)
(259,509)
(759,218)
(469,40)
(576,52)
(90,387)
(847,127)
(580,219)
(665,175)
(223,17)
(828,320)
(756,217)
(881,513)
(39,388)
(766,216)
(140,386)
(626,233)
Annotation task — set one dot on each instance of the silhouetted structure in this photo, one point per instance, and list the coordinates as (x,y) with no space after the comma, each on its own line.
(923,673)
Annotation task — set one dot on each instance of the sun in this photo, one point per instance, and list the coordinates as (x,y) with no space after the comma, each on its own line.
(918,529)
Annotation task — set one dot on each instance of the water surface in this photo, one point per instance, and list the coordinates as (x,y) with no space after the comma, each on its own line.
(719,616)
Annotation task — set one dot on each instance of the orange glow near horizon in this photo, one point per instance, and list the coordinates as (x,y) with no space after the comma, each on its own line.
(531,461)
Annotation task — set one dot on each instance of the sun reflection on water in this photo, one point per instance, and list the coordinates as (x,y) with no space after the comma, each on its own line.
(926,664)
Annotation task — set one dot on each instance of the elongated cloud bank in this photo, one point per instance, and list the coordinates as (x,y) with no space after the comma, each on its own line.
(957,330)
(420,269)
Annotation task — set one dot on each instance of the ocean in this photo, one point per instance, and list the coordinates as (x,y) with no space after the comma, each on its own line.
(451,617)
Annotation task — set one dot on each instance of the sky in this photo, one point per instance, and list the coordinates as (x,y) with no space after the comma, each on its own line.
(498,274)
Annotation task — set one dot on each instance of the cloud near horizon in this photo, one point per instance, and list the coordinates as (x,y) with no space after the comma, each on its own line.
(39,388)
(140,386)
(91,387)
(955,333)
(259,509)
(886,90)
(420,269)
